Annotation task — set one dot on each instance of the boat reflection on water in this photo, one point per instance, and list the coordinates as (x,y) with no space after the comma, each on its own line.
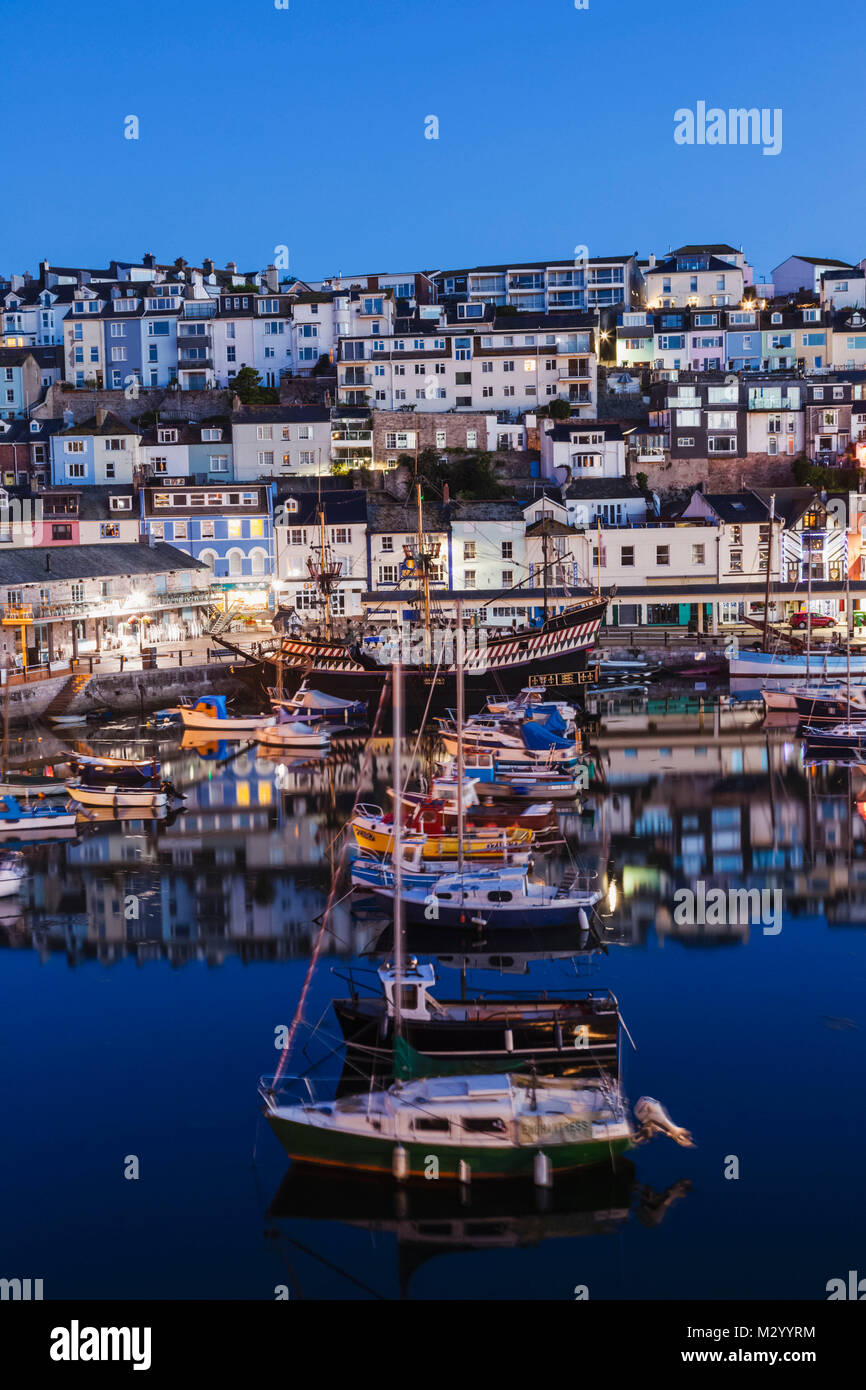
(431,1219)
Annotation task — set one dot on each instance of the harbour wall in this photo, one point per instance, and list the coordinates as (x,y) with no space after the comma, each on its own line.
(127,691)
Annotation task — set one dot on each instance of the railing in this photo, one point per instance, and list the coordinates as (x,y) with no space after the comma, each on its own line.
(94,608)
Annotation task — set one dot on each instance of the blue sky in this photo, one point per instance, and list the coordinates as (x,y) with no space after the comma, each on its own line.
(305,127)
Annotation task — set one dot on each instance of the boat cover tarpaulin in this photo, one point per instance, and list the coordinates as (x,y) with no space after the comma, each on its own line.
(554,722)
(539,739)
(317,699)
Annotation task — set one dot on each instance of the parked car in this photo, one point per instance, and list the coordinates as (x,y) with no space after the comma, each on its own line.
(803,618)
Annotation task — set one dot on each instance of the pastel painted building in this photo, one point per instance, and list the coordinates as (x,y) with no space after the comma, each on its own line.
(230,530)
(103,449)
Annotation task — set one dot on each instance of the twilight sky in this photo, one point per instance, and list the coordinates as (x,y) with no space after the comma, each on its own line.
(305,127)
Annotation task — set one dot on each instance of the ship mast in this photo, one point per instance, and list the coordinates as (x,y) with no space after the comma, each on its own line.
(324,571)
(422,557)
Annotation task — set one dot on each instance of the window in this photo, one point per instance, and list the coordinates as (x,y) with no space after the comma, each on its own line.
(387,574)
(207,530)
(507,578)
(340,535)
(698,555)
(469,550)
(663,554)
(626,556)
(180,530)
(73,446)
(387,543)
(507,550)
(722,444)
(61,532)
(469,579)
(264,431)
(737,561)
(75,470)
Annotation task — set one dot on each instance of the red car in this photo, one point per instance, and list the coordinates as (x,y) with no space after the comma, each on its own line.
(817,619)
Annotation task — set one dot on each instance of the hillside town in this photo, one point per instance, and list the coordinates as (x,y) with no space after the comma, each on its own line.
(178,443)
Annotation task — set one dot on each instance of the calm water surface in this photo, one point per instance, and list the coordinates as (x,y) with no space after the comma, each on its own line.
(146,965)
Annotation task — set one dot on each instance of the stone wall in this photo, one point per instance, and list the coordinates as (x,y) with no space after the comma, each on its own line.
(127,691)
(717,474)
(184,405)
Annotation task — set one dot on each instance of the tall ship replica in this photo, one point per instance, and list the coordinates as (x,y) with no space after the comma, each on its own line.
(552,653)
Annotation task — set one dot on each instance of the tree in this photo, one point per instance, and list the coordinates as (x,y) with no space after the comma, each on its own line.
(248,386)
(642,481)
(559,409)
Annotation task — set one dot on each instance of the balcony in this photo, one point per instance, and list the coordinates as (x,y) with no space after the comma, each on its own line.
(356,377)
(107,607)
(577,370)
(342,438)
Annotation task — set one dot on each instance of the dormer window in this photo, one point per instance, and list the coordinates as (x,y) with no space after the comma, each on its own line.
(34,426)
(167,436)
(291,504)
(775,318)
(120,504)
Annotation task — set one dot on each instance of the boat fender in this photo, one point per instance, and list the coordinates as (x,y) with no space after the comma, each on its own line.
(557,1036)
(541,1174)
(655,1119)
(400,1163)
(582,920)
(464,1172)
(509,1040)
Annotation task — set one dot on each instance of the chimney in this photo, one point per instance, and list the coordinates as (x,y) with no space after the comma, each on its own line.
(148,259)
(207,265)
(101,414)
(652,260)
(272,278)
(232,266)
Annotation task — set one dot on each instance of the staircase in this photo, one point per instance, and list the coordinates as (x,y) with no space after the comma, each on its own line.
(66,694)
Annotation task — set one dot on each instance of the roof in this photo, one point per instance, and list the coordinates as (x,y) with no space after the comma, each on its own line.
(713,249)
(280,414)
(393,516)
(817,260)
(32,566)
(737,506)
(111,424)
(562,433)
(342,508)
(846,273)
(603,487)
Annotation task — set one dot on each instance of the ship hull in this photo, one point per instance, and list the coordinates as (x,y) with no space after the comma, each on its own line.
(552,656)
(362,1153)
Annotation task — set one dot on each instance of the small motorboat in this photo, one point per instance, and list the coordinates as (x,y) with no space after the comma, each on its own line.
(22,821)
(210,715)
(315,705)
(116,782)
(294,733)
(374,830)
(368,871)
(538,816)
(846,737)
(579,1032)
(13,872)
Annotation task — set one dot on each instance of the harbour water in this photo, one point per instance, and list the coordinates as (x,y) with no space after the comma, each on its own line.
(147,967)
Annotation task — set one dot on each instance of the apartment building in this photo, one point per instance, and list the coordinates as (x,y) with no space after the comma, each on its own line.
(504,363)
(227,530)
(584,283)
(300,520)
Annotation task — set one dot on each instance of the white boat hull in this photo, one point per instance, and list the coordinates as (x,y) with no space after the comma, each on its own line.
(782,665)
(118,796)
(281,737)
(210,724)
(25,825)
(10,884)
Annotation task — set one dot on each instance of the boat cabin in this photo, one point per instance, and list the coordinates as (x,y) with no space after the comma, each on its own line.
(416,982)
